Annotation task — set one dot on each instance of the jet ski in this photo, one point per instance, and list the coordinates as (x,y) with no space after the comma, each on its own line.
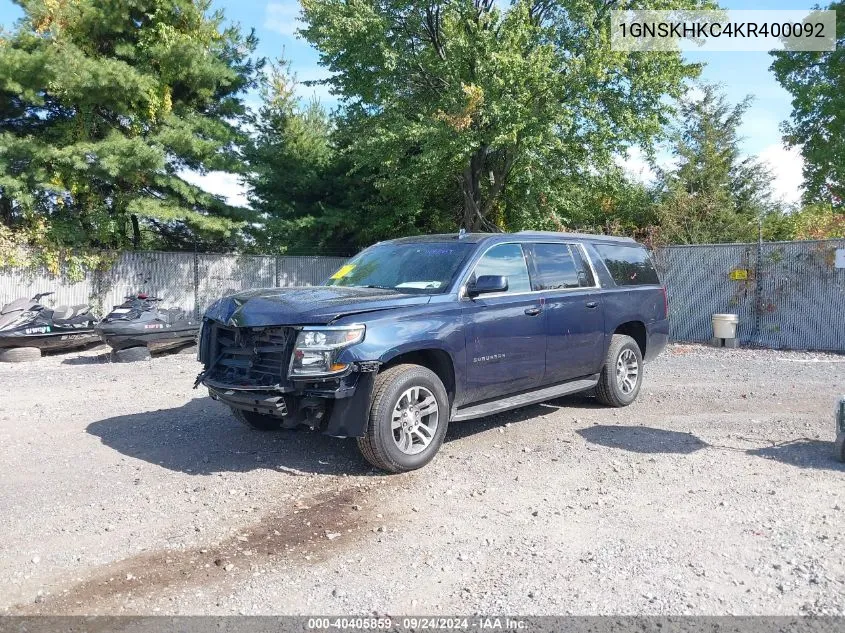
(140,322)
(29,323)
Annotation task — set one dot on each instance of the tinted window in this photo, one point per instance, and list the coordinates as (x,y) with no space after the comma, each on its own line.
(555,267)
(423,267)
(507,260)
(584,271)
(628,265)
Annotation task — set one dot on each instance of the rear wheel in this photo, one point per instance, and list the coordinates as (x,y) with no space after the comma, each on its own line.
(408,419)
(258,421)
(622,375)
(19,354)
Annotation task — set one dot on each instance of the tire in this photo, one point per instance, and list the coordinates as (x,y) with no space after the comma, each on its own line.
(612,390)
(839,446)
(257,421)
(380,445)
(20,354)
(130,355)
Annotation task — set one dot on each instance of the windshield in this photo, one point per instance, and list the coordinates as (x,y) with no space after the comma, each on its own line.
(423,267)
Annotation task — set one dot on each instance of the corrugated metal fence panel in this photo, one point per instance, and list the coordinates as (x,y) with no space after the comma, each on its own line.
(794,298)
(16,283)
(184,280)
(169,276)
(307,271)
(698,285)
(802,296)
(221,275)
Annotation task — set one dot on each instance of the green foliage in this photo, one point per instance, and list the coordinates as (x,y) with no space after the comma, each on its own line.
(712,194)
(817,125)
(102,105)
(486,115)
(812,222)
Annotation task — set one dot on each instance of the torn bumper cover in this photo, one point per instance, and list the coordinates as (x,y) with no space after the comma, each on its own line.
(246,368)
(337,410)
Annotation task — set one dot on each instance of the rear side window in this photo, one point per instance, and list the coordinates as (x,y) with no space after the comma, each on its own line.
(628,265)
(555,267)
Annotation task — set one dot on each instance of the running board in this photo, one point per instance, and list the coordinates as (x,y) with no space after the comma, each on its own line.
(524,399)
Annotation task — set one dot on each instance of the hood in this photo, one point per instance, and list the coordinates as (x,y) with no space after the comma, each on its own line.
(311,305)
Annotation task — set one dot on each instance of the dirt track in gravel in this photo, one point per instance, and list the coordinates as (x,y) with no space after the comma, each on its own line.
(124,491)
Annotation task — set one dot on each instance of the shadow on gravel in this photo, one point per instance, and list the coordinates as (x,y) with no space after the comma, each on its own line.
(804,453)
(88,360)
(642,439)
(201,438)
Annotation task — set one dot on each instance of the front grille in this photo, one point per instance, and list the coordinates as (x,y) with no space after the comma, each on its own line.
(250,357)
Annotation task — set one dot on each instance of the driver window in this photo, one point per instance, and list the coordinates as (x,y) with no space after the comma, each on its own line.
(507,260)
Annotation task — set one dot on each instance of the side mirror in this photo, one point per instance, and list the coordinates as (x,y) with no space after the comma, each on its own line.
(486,284)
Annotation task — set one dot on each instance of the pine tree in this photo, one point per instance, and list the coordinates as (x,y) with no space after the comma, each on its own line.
(713,193)
(103,105)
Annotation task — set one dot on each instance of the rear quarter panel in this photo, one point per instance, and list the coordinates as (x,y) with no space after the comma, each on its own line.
(638,303)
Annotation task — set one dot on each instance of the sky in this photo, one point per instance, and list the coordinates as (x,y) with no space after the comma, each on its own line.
(740,74)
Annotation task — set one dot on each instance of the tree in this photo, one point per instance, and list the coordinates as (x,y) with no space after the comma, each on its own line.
(817,124)
(309,196)
(484,107)
(103,105)
(712,193)
(289,157)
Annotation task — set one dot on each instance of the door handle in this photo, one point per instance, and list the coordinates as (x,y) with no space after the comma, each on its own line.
(533,311)
(592,304)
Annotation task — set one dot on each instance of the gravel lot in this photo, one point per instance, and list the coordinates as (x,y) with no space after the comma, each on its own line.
(124,491)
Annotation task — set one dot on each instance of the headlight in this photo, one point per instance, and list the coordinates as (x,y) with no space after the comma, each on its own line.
(317,348)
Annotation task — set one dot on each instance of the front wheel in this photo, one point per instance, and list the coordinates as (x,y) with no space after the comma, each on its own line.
(622,375)
(408,419)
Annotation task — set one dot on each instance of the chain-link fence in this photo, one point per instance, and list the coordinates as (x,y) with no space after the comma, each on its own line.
(787,295)
(190,281)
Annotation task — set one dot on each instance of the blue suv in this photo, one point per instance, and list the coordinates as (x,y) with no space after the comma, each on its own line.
(415,333)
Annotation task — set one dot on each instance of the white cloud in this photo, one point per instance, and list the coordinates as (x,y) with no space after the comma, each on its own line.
(636,166)
(220,183)
(283,17)
(787,167)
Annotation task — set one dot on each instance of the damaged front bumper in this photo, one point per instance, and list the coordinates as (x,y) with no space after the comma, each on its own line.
(246,369)
(339,408)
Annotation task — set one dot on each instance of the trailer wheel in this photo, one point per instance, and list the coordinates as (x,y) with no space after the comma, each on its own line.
(19,354)
(130,355)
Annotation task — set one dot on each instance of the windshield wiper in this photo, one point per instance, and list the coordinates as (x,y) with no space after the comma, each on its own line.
(380,287)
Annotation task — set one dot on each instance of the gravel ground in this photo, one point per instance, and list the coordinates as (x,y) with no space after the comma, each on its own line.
(124,491)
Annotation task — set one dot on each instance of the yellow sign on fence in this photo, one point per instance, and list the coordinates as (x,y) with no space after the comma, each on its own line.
(739,274)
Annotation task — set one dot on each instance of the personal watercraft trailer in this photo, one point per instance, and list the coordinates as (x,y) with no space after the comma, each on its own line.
(140,322)
(29,327)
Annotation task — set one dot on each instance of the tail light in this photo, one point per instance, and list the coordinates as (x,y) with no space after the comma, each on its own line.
(665,303)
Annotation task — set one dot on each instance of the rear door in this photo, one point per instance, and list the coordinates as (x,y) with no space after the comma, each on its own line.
(574,318)
(505,332)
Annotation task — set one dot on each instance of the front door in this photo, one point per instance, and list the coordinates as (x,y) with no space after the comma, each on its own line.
(505,332)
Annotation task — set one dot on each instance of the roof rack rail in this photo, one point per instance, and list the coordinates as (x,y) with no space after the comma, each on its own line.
(590,236)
